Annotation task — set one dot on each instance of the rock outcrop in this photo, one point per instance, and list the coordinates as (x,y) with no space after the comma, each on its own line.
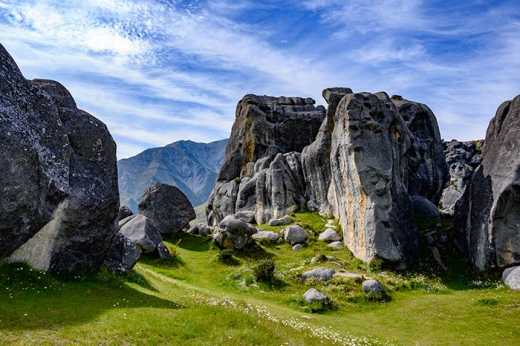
(371,162)
(381,152)
(167,207)
(462,159)
(60,200)
(262,168)
(489,212)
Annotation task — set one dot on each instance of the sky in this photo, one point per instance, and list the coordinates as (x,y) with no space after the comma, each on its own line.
(159,71)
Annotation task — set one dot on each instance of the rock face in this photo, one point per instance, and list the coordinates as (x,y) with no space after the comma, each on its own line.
(462,159)
(123,255)
(381,152)
(167,207)
(490,210)
(262,168)
(60,199)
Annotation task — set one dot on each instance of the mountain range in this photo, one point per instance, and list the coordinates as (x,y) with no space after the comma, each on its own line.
(192,167)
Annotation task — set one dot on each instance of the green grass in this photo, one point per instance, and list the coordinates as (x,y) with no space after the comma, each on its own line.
(197,300)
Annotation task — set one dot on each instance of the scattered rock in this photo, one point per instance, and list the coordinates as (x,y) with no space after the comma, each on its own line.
(373,288)
(124,212)
(123,255)
(313,296)
(329,235)
(320,274)
(336,245)
(234,234)
(142,231)
(266,236)
(246,216)
(167,207)
(59,184)
(286,220)
(489,212)
(200,229)
(295,235)
(511,278)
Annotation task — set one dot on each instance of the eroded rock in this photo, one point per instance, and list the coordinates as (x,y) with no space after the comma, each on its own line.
(59,188)
(489,213)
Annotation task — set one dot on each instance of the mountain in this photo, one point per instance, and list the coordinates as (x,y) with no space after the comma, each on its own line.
(192,167)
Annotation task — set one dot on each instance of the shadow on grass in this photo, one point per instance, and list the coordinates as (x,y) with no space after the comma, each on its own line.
(35,300)
(192,243)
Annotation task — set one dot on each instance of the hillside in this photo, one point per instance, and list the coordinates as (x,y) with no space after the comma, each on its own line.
(194,299)
(192,167)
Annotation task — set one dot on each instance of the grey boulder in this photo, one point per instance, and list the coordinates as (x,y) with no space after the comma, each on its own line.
(372,287)
(313,296)
(329,236)
(286,220)
(168,208)
(320,274)
(200,229)
(234,234)
(295,235)
(266,236)
(336,245)
(142,231)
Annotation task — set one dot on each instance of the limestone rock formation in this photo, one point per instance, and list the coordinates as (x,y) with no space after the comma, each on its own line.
(462,159)
(383,151)
(167,207)
(511,278)
(490,210)
(60,200)
(262,168)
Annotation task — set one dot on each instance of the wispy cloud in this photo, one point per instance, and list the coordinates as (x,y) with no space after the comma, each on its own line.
(157,71)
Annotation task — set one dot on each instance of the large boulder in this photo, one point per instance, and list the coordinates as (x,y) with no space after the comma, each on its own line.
(462,159)
(234,234)
(140,230)
(262,156)
(167,207)
(381,152)
(489,212)
(60,198)
(320,274)
(295,234)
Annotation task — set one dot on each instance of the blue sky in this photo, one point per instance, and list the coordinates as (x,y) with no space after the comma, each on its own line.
(158,71)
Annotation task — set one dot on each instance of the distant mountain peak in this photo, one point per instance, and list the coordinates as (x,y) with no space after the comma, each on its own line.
(191,166)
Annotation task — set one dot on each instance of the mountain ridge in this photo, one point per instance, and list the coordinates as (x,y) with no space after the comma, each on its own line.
(191,166)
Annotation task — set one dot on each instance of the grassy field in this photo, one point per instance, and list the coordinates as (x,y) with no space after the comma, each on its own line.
(197,300)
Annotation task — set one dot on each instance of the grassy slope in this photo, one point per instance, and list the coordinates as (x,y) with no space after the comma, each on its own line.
(198,301)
